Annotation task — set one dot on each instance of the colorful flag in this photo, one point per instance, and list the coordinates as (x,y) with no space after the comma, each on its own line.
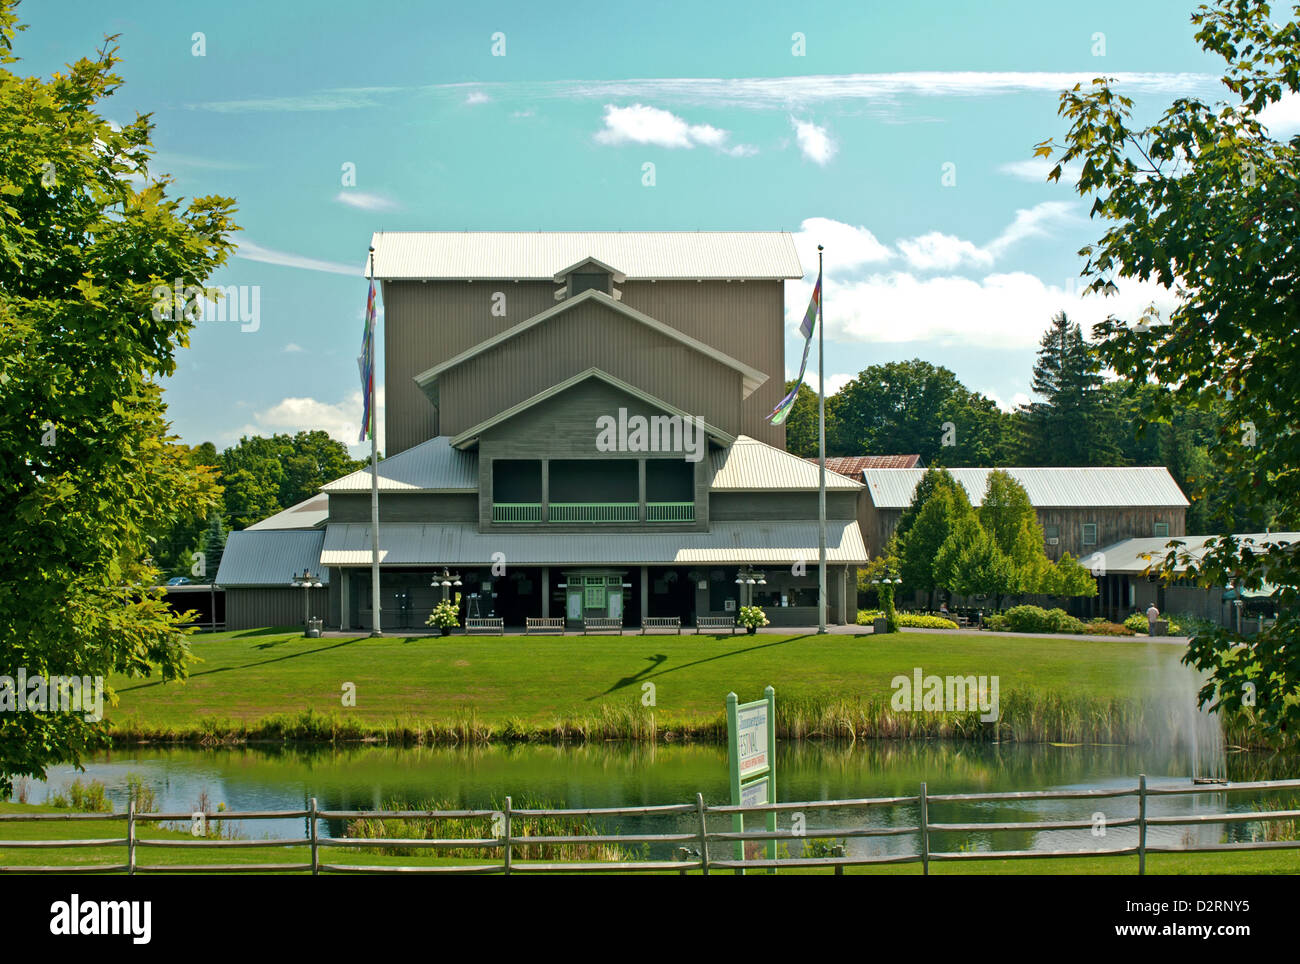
(366,362)
(784,407)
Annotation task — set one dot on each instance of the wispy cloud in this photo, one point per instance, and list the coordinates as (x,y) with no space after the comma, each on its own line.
(1035,169)
(342,420)
(643,124)
(338,98)
(293,347)
(815,143)
(364,201)
(250,251)
(477,97)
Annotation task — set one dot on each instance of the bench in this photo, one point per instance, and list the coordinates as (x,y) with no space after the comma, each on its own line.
(603,624)
(545,623)
(661,622)
(715,622)
(486,624)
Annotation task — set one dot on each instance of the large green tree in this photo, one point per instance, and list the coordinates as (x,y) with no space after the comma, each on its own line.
(1068,424)
(262,475)
(88,470)
(939,505)
(914,407)
(1206,203)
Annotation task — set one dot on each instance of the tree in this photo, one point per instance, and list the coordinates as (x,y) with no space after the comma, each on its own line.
(1068,578)
(1205,203)
(902,408)
(971,564)
(214,546)
(88,470)
(945,505)
(1012,523)
(263,475)
(1067,427)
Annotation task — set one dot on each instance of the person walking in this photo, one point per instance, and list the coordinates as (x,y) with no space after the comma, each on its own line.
(1152,615)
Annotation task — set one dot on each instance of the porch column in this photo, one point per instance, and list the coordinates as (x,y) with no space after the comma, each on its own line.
(546,588)
(640,490)
(546,490)
(844,593)
(345,597)
(645,591)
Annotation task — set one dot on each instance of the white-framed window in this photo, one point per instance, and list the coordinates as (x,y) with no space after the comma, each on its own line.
(1052,534)
(1089,534)
(1161,529)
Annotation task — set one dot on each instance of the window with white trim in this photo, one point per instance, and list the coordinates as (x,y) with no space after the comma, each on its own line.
(1089,534)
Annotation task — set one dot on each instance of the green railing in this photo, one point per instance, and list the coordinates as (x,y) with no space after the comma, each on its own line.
(594,512)
(670,511)
(517,512)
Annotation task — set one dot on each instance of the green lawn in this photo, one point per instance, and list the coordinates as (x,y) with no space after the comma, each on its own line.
(1264,862)
(246,677)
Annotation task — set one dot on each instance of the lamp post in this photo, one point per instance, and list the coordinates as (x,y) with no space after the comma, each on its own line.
(445,579)
(888,591)
(308,581)
(747,577)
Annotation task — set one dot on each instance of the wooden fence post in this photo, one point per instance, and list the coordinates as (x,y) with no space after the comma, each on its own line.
(130,838)
(507,830)
(315,848)
(1142,824)
(838,851)
(925,833)
(704,835)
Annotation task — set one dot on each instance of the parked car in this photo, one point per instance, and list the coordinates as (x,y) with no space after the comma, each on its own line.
(178,581)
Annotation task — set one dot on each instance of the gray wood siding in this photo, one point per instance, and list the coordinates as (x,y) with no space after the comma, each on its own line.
(1113,525)
(564,427)
(426,323)
(253,608)
(404,507)
(589,336)
(775,506)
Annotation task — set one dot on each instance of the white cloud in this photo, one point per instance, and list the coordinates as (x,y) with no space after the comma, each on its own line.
(476,97)
(364,201)
(250,251)
(942,252)
(1031,223)
(1036,169)
(1018,399)
(642,124)
(342,420)
(1283,117)
(1001,310)
(814,142)
(293,347)
(853,246)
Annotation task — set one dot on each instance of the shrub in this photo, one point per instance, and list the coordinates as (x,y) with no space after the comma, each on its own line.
(922,621)
(445,615)
(1138,623)
(996,621)
(1104,627)
(752,616)
(82,797)
(1035,619)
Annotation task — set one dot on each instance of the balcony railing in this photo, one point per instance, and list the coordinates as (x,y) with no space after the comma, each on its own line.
(517,512)
(594,512)
(670,511)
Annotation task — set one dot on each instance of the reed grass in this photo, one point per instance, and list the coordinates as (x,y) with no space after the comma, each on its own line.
(1026,717)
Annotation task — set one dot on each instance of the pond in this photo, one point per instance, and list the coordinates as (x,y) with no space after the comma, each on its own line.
(607,775)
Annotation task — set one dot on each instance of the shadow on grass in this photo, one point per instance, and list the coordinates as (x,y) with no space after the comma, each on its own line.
(251,665)
(658,660)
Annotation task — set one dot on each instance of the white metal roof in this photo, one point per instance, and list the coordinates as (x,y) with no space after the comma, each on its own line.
(270,557)
(1133,556)
(432,466)
(538,255)
(410,544)
(1056,487)
(305,515)
(751,465)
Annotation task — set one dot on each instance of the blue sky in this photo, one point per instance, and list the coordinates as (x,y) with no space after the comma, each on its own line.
(847,144)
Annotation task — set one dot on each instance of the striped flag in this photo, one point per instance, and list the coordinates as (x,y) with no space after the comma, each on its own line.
(784,407)
(366,362)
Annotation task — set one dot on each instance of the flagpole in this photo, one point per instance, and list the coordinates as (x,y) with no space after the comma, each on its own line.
(376,603)
(821,451)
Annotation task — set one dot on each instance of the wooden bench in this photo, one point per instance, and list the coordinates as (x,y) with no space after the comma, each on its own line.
(485,624)
(602,624)
(715,622)
(544,623)
(661,622)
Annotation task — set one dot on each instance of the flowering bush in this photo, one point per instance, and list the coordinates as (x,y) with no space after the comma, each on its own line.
(752,616)
(445,615)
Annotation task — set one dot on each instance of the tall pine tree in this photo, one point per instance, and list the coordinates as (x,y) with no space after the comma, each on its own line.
(1068,425)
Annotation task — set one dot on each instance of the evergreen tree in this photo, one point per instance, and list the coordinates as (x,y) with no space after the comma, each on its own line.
(1068,425)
